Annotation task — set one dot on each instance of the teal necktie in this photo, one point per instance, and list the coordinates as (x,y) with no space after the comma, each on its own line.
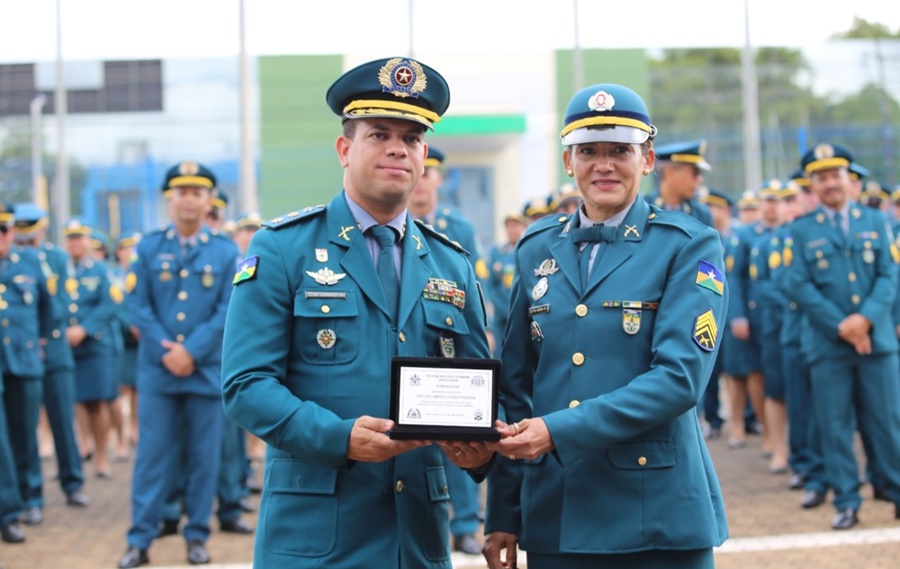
(839,225)
(387,271)
(597,233)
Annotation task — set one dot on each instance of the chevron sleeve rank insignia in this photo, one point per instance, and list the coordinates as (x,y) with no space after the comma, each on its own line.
(706,330)
(246,270)
(708,276)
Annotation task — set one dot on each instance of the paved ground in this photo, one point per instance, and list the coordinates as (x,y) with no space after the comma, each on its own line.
(768,528)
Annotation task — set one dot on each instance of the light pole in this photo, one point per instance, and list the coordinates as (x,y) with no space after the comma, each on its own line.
(247,198)
(752,159)
(60,197)
(38,186)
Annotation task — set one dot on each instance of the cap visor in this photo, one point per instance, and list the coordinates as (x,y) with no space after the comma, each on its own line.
(389,114)
(626,134)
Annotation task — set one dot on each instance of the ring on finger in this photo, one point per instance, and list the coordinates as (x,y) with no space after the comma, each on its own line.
(512,457)
(516,427)
(458,452)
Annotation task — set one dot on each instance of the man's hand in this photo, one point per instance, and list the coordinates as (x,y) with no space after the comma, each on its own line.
(135,332)
(178,360)
(854,329)
(369,443)
(75,335)
(494,543)
(467,454)
(529,438)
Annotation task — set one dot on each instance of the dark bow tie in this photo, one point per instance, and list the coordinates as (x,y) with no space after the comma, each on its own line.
(594,233)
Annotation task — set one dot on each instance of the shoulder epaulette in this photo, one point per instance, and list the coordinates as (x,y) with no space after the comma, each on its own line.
(543,224)
(293,217)
(682,221)
(440,236)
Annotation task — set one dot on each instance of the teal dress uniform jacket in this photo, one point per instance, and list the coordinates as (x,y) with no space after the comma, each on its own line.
(308,344)
(93,308)
(616,372)
(181,296)
(830,282)
(57,269)
(26,309)
(692,207)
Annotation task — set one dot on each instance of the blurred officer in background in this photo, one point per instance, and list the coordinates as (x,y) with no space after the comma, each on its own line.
(92,313)
(325,298)
(680,168)
(59,363)
(127,369)
(844,277)
(179,288)
(26,313)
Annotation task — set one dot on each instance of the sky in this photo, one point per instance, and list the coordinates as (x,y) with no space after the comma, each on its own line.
(132,29)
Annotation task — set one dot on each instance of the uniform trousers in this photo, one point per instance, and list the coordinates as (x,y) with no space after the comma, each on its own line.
(59,401)
(10,498)
(851,389)
(22,397)
(164,419)
(803,431)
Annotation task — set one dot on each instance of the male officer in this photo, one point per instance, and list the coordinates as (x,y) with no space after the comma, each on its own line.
(748,208)
(680,167)
(857,173)
(59,363)
(314,320)
(25,318)
(178,295)
(844,276)
(423,205)
(217,215)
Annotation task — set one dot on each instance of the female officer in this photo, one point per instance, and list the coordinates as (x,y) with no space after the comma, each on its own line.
(613,331)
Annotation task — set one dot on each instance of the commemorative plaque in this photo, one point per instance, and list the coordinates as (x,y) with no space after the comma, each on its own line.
(444,398)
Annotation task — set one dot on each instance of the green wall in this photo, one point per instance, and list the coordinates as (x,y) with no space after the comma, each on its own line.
(299,166)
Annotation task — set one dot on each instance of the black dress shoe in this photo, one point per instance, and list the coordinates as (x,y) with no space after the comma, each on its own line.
(797,481)
(32,517)
(812,499)
(845,519)
(197,554)
(168,527)
(247,506)
(134,557)
(467,544)
(236,525)
(12,533)
(77,499)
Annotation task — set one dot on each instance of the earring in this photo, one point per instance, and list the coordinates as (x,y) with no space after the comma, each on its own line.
(570,173)
(646,171)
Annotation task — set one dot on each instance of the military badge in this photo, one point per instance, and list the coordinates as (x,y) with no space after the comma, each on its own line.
(246,270)
(130,281)
(895,253)
(418,242)
(855,213)
(326,276)
(787,255)
(322,255)
(115,293)
(823,151)
(165,276)
(601,101)
(536,333)
(754,271)
(90,283)
(868,256)
(326,338)
(27,297)
(822,264)
(710,277)
(508,279)
(52,285)
(705,331)
(71,285)
(402,78)
(345,231)
(448,350)
(774,260)
(208,280)
(631,321)
(540,289)
(547,267)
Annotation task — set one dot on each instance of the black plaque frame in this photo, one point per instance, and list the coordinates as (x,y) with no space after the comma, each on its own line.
(443,432)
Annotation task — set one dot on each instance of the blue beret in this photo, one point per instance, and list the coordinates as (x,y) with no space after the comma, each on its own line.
(435,158)
(825,156)
(397,88)
(684,152)
(189,173)
(606,113)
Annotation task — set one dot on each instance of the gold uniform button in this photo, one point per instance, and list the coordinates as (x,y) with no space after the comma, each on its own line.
(399,486)
(179,338)
(74,296)
(402,336)
(2,288)
(642,461)
(183,273)
(581,310)
(180,316)
(73,321)
(326,309)
(444,490)
(73,307)
(56,334)
(854,299)
(182,295)
(574,403)
(3,305)
(578,358)
(449,321)
(852,277)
